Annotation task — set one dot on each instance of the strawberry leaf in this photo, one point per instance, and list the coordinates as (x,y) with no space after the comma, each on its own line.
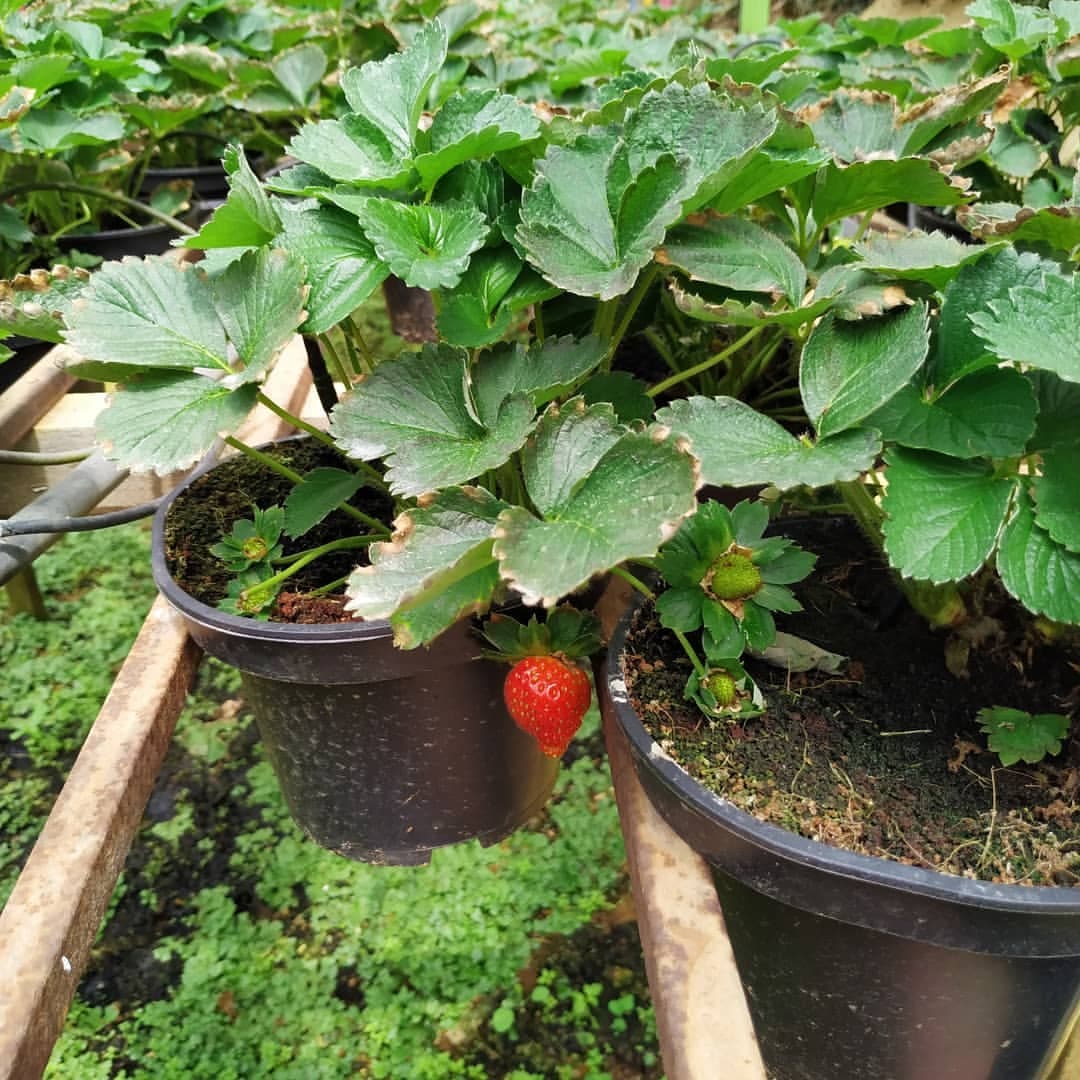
(1015,735)
(849,369)
(1053,307)
(247,218)
(990,413)
(944,516)
(474,124)
(1042,574)
(168,420)
(418,411)
(1057,497)
(584,493)
(426,246)
(738,446)
(342,267)
(437,566)
(738,255)
(932,257)
(37,304)
(317,494)
(589,223)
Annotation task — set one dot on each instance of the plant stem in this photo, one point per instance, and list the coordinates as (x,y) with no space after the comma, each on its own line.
(300,425)
(941,604)
(109,196)
(697,369)
(538,322)
(634,582)
(644,283)
(295,478)
(309,557)
(352,333)
(604,320)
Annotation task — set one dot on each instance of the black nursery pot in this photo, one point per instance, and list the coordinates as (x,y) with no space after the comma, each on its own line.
(866,968)
(382,754)
(115,243)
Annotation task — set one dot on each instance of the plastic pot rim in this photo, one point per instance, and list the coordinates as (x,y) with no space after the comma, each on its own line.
(1051,900)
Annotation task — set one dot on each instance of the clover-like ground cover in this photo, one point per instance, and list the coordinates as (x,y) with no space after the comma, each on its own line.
(234,947)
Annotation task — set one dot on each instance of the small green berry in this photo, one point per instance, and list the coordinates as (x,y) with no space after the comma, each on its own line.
(733,577)
(255,548)
(722,686)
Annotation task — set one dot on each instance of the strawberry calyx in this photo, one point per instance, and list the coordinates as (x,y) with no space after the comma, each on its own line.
(566,633)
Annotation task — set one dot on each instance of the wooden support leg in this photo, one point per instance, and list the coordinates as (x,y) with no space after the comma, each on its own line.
(23,594)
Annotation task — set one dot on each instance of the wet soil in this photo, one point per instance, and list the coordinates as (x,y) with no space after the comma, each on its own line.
(885,757)
(206,511)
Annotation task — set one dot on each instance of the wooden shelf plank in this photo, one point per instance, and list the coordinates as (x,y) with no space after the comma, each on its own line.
(701,1014)
(53,914)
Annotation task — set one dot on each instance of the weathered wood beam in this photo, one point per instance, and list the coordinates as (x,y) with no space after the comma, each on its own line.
(702,1018)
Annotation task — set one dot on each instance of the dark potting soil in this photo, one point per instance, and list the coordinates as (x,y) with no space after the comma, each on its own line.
(205,512)
(885,757)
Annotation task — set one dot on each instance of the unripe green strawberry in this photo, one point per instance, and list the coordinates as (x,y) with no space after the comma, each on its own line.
(722,687)
(548,698)
(734,577)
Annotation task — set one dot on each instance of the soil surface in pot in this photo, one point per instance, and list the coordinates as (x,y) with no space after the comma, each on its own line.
(204,513)
(884,757)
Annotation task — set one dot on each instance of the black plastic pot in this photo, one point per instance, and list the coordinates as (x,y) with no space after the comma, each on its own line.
(209,182)
(866,968)
(115,243)
(382,754)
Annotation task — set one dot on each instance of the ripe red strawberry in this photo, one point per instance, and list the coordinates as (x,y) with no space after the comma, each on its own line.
(548,698)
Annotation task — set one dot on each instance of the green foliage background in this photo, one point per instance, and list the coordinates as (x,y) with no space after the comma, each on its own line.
(235,947)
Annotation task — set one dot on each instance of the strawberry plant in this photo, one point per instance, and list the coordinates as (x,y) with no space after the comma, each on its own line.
(523,455)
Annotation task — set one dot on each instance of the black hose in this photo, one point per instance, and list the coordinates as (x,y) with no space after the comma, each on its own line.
(35,526)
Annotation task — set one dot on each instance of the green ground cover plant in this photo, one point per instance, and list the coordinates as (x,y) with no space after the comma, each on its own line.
(236,947)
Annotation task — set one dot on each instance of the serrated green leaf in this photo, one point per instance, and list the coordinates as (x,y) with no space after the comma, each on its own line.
(590,225)
(544,371)
(932,257)
(342,267)
(417,412)
(473,314)
(50,129)
(200,62)
(1042,574)
(1055,226)
(437,566)
(769,169)
(247,218)
(738,446)
(153,313)
(736,254)
(260,302)
(958,350)
(758,627)
(990,413)
(1015,735)
(748,69)
(299,70)
(320,491)
(391,93)
(679,608)
(849,369)
(1013,29)
(590,529)
(1059,406)
(872,185)
(712,305)
(856,124)
(168,420)
(37,304)
(710,134)
(474,124)
(1057,497)
(625,393)
(1054,308)
(944,516)
(352,150)
(426,246)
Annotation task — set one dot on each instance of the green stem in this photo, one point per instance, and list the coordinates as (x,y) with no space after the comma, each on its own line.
(353,333)
(604,320)
(635,582)
(108,196)
(697,369)
(295,478)
(307,557)
(864,224)
(538,322)
(940,604)
(756,367)
(644,283)
(691,652)
(300,425)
